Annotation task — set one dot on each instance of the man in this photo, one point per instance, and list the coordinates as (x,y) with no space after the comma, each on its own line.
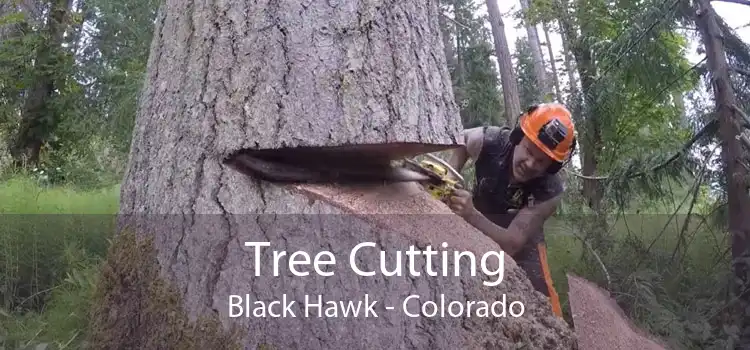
(511,166)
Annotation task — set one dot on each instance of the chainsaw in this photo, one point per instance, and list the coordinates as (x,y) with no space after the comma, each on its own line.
(443,178)
(331,165)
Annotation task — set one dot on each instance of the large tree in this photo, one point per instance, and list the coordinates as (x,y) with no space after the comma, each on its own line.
(505,64)
(230,76)
(731,120)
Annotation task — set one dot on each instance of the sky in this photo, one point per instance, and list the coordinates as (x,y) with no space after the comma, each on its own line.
(737,16)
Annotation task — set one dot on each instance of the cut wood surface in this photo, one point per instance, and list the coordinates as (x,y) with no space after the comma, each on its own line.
(237,75)
(599,321)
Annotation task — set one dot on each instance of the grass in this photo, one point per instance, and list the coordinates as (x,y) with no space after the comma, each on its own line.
(25,196)
(668,279)
(52,240)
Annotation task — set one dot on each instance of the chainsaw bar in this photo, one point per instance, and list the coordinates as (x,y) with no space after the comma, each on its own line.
(412,165)
(324,171)
(447,166)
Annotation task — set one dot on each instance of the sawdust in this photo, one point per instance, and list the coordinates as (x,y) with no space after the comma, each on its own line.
(406,210)
(599,321)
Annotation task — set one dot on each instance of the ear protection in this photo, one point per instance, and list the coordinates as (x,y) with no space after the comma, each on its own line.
(516,135)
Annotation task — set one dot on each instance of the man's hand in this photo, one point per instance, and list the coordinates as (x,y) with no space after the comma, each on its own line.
(461,203)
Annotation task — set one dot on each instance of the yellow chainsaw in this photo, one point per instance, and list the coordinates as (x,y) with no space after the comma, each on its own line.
(443,179)
(346,165)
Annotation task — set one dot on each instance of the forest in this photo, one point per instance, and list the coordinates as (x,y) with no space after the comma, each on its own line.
(657,200)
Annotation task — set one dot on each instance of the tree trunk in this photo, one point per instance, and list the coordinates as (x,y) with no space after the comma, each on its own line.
(293,74)
(590,135)
(569,67)
(38,117)
(507,76)
(679,103)
(460,44)
(448,49)
(738,199)
(536,54)
(553,64)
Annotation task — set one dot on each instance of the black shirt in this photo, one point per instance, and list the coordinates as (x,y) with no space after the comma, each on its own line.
(494,195)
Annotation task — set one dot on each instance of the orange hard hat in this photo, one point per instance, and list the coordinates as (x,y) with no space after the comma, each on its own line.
(550,127)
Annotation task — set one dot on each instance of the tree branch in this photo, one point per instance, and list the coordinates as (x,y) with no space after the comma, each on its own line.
(453,20)
(707,129)
(740,70)
(741,2)
(745,118)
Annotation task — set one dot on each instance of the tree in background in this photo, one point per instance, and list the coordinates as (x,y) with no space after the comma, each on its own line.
(627,74)
(502,54)
(215,88)
(530,91)
(469,54)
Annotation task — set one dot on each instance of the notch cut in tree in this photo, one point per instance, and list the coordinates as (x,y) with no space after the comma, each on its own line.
(238,77)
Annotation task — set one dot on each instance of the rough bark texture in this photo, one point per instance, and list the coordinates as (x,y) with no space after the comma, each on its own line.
(288,74)
(316,218)
(448,44)
(601,323)
(231,75)
(511,97)
(738,198)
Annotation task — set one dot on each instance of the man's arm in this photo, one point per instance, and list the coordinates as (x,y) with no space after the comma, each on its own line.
(473,139)
(528,221)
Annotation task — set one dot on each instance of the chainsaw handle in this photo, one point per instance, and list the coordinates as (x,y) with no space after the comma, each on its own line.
(449,167)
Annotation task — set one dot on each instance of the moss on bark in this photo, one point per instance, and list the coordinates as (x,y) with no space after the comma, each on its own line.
(135,308)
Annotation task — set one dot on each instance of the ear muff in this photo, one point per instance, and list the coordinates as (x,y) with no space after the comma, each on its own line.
(557,166)
(516,135)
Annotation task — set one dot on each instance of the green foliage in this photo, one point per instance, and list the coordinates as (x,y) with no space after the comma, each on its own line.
(90,113)
(64,322)
(528,87)
(666,273)
(482,104)
(52,239)
(630,121)
(116,62)
(475,79)
(16,53)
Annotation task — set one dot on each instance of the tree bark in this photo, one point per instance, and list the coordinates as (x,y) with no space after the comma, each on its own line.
(448,46)
(590,134)
(295,74)
(738,199)
(507,76)
(553,64)
(536,54)
(460,71)
(565,36)
(570,68)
